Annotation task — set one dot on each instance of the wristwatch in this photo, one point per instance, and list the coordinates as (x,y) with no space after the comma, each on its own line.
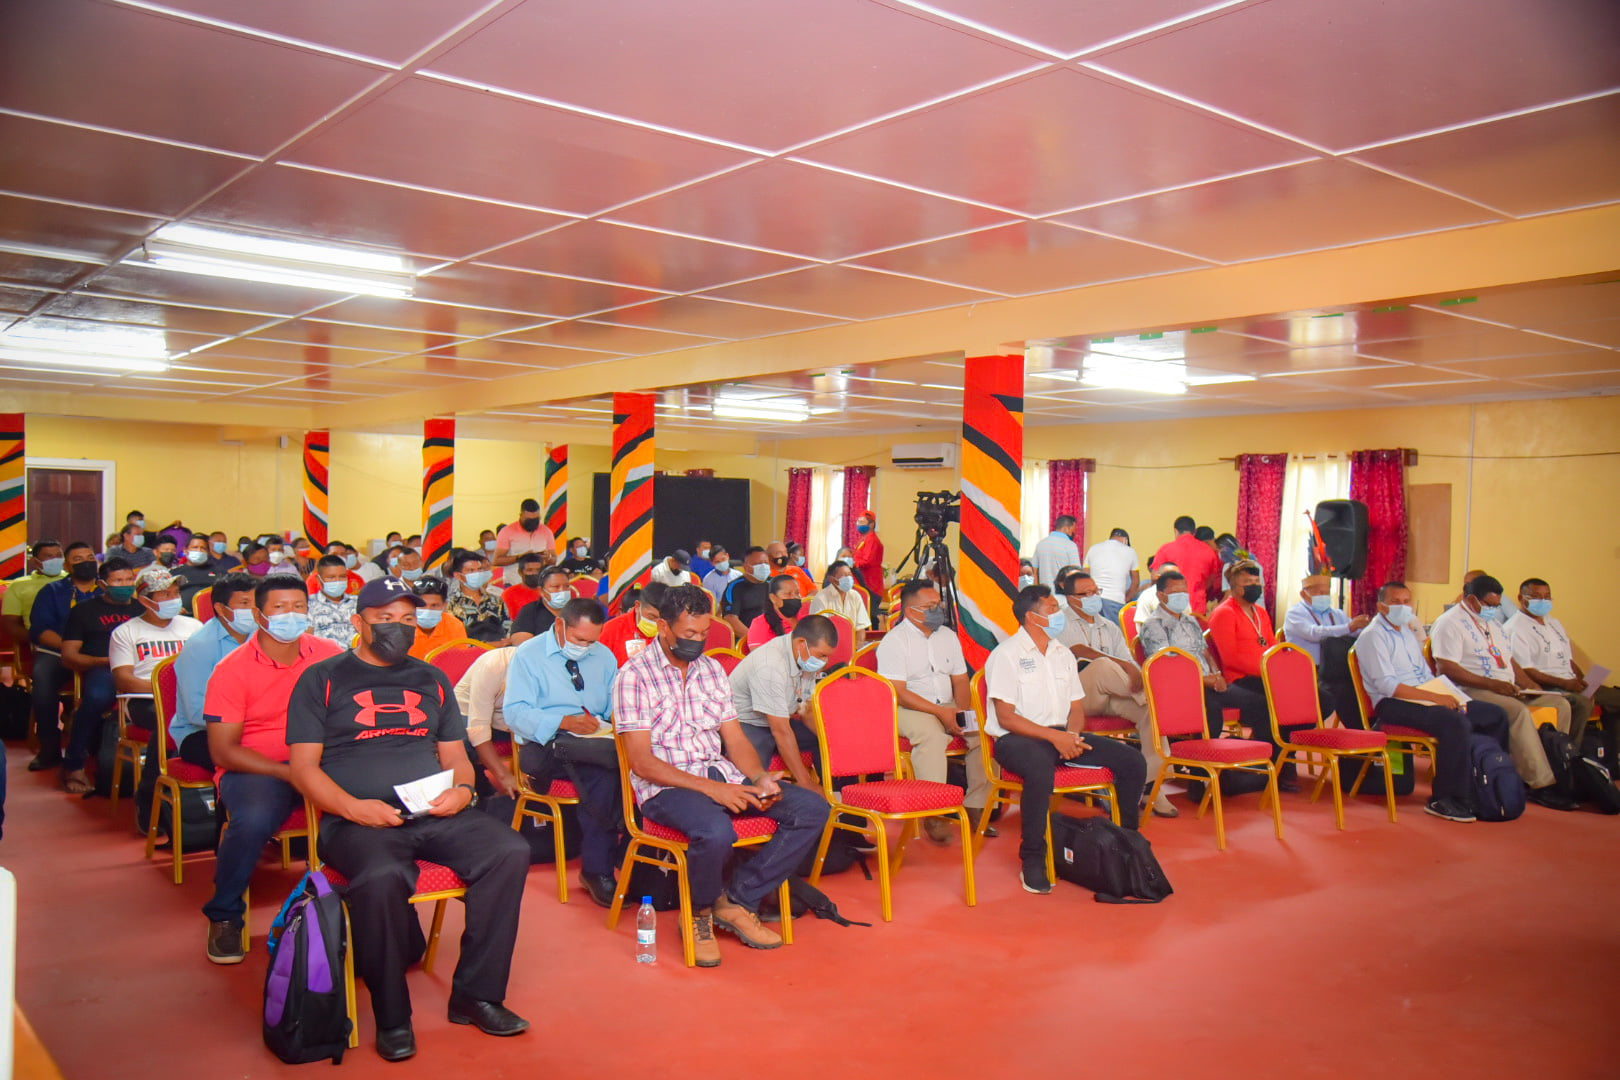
(471,791)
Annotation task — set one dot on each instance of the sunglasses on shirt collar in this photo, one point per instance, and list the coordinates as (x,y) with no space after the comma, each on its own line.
(572,667)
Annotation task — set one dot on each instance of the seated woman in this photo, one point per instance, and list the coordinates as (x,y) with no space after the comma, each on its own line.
(434,623)
(783,614)
(838,597)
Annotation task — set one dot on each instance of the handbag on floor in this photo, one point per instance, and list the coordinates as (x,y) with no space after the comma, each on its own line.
(306,1012)
(1594,785)
(1117,864)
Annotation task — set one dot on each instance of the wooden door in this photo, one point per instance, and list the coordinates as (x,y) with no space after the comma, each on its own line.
(65,505)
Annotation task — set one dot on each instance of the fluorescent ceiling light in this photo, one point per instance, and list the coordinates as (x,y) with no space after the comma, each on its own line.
(1113,372)
(741,404)
(100,363)
(88,345)
(191,249)
(1170,345)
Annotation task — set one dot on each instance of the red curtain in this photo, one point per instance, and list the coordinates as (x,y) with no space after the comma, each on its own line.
(1259,513)
(798,507)
(857,492)
(1378,478)
(1068,491)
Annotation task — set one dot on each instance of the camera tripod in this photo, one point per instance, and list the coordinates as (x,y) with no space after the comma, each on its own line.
(932,557)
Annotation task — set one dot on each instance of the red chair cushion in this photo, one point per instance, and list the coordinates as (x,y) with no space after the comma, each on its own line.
(1070,776)
(902,796)
(748,827)
(187,773)
(296,822)
(1223,750)
(957,745)
(1108,723)
(1339,738)
(1396,731)
(430,877)
(138,734)
(778,765)
(563,789)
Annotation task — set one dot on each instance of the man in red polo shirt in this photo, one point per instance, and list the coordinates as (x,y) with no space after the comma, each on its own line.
(1196,560)
(627,634)
(246,714)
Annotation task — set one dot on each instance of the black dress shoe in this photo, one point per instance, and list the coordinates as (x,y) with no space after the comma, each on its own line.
(1551,798)
(601,887)
(490,1017)
(1288,783)
(396,1044)
(43,761)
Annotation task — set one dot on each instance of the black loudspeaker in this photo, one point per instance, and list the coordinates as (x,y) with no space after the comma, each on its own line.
(1343,523)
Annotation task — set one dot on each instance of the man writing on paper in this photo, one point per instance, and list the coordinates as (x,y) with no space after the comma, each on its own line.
(1542,647)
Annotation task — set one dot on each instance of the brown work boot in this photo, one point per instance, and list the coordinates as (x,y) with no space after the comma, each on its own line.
(937,831)
(704,946)
(730,915)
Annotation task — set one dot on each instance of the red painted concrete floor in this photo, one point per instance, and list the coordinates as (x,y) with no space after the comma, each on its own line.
(1421,949)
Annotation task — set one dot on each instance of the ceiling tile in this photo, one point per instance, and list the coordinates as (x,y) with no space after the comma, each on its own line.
(508,351)
(1593,381)
(1518,367)
(135,71)
(749,71)
(545,296)
(652,260)
(1345,75)
(1599,332)
(175,341)
(372,381)
(391,30)
(184,373)
(424,317)
(339,209)
(450,362)
(1540,305)
(849,292)
(345,336)
(111,309)
(1320,204)
(19,301)
(299,353)
(623,340)
(1036,145)
(500,148)
(692,315)
(1481,342)
(33,270)
(1069,26)
(788,207)
(69,229)
(1028,257)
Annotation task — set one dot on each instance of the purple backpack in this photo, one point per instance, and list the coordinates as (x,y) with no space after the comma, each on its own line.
(306,1014)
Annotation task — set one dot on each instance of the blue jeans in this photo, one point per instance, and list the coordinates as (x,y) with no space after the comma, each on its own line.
(800,817)
(100,695)
(1111,610)
(258,805)
(50,677)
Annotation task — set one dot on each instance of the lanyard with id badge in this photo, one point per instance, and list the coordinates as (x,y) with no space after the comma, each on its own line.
(1475,630)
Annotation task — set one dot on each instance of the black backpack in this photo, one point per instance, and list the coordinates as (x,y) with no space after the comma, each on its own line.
(1560,759)
(16,713)
(1117,864)
(1498,793)
(1594,785)
(306,1012)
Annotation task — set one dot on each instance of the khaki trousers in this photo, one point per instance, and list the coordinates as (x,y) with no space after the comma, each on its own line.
(928,742)
(1523,742)
(1108,693)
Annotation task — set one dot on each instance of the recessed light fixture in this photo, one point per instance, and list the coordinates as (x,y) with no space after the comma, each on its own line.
(741,403)
(192,249)
(90,345)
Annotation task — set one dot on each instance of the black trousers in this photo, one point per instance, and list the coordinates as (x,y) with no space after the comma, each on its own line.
(1451,729)
(1036,762)
(593,766)
(381,867)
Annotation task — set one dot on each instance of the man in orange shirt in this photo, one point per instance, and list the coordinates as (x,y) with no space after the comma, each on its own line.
(627,634)
(1196,560)
(435,625)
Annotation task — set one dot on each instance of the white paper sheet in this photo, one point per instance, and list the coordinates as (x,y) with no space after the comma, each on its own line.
(1442,685)
(418,795)
(1596,677)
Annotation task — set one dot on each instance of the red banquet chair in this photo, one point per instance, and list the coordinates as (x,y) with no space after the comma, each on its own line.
(542,808)
(726,658)
(175,775)
(844,651)
(721,636)
(455,657)
(865,658)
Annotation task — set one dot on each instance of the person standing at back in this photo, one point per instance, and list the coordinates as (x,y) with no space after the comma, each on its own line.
(523,535)
(1196,560)
(869,559)
(1056,550)
(1114,566)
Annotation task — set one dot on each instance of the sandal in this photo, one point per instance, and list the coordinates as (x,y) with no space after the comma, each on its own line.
(77,783)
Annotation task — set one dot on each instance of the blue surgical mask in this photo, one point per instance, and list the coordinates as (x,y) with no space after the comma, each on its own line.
(1056,622)
(798,560)
(1091,605)
(1025,581)
(761,571)
(168,609)
(489,545)
(139,539)
(574,650)
(863,529)
(1179,602)
(811,664)
(723,566)
(287,626)
(51,567)
(428,618)
(196,558)
(560,597)
(411,575)
(335,589)
(139,523)
(1322,603)
(477,579)
(218,546)
(351,560)
(242,620)
(1491,612)
(1400,615)
(1539,608)
(845,584)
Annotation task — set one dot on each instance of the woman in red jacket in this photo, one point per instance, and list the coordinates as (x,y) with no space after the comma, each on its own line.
(869,559)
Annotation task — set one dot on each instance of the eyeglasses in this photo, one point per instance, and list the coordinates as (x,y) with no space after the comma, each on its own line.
(572,667)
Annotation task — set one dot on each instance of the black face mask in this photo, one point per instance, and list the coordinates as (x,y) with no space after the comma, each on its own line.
(532,580)
(1252,593)
(166,558)
(529,524)
(84,572)
(391,641)
(686,650)
(790,608)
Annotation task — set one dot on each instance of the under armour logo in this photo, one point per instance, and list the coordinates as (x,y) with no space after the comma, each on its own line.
(390,711)
(395,585)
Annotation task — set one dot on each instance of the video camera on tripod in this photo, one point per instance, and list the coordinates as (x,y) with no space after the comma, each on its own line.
(937,511)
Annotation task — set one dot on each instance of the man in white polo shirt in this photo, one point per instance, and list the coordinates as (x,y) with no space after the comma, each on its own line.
(1114,566)
(930,676)
(1033,709)
(1541,646)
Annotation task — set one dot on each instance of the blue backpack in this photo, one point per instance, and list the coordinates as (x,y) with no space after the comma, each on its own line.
(306,1014)
(1498,791)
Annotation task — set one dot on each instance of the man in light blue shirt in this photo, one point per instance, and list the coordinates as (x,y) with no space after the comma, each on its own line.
(1314,619)
(559,697)
(721,573)
(231,625)
(1057,550)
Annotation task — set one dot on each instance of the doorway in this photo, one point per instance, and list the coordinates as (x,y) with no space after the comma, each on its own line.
(69,500)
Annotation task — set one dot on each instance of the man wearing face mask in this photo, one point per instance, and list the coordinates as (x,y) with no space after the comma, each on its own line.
(524,535)
(923,659)
(1026,573)
(782,563)
(747,598)
(158,632)
(47,619)
(1394,672)
(798,568)
(244,711)
(331,607)
(839,596)
(163,551)
(337,549)
(531,569)
(674,570)
(552,592)
(1314,619)
(693,769)
(628,634)
(45,564)
(1543,649)
(219,551)
(132,547)
(1240,628)
(1472,650)
(405,563)
(1110,678)
(195,571)
(868,558)
(474,601)
(233,623)
(771,691)
(85,643)
(719,579)
(435,625)
(358,725)
(559,700)
(702,564)
(579,556)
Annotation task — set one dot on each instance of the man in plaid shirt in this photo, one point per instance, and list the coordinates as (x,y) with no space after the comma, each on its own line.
(673,707)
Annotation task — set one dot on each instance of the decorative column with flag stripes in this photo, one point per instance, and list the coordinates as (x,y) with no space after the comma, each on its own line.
(631,518)
(992,484)
(555,502)
(317,461)
(13,497)
(438,489)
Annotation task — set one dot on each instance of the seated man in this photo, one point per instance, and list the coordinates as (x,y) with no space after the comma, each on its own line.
(1240,629)
(46,565)
(1033,709)
(673,570)
(531,573)
(358,724)
(1472,651)
(718,579)
(746,598)
(838,597)
(627,634)
(1393,670)
(771,691)
(85,643)
(1314,619)
(559,697)
(1147,599)
(47,618)
(435,625)
(233,623)
(138,645)
(1173,625)
(551,588)
(196,571)
(1108,675)
(246,714)
(481,697)
(930,677)
(692,769)
(475,601)
(331,603)
(1541,646)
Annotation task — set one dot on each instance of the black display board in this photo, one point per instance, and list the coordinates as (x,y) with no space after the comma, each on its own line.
(686,509)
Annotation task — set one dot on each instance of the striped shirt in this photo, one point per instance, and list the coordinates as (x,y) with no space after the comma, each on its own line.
(683,715)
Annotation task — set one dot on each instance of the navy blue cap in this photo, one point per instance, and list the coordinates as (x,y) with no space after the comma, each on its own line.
(385,591)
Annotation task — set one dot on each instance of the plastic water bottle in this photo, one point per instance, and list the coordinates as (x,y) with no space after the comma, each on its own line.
(646,933)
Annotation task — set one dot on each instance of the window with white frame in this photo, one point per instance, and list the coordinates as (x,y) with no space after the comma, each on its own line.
(1035,515)
(826,516)
(1308,481)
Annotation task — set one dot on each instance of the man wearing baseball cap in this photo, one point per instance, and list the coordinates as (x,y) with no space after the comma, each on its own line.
(358,726)
(673,571)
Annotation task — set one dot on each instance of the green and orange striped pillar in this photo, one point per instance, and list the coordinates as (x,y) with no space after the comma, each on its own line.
(630,521)
(13,497)
(992,488)
(317,486)
(438,489)
(555,502)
